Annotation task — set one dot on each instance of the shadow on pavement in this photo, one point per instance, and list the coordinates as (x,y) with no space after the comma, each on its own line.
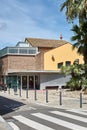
(9,105)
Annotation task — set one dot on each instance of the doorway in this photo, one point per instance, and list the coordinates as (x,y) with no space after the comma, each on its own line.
(24,82)
(34,82)
(31,82)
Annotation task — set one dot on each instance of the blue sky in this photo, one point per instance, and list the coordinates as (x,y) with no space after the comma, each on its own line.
(32,18)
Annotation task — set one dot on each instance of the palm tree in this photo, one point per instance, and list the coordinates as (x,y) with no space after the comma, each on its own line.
(80,36)
(78,9)
(70,10)
(75,9)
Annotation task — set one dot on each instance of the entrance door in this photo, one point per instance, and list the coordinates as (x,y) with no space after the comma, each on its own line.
(37,84)
(34,83)
(24,82)
(31,82)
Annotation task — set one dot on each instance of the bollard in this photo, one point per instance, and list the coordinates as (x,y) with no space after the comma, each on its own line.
(60,97)
(9,90)
(20,91)
(47,95)
(4,90)
(15,90)
(26,92)
(35,94)
(80,99)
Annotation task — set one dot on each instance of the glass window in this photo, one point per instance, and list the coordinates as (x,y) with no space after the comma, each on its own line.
(60,64)
(68,63)
(76,61)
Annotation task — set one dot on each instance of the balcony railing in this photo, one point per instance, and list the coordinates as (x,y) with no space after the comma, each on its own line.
(18,51)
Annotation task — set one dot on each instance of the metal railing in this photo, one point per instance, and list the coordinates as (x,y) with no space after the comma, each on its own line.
(19,51)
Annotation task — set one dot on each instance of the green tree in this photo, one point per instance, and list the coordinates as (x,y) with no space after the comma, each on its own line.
(80,36)
(78,79)
(78,9)
(75,9)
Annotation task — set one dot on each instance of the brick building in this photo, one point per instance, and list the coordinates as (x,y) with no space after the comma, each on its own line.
(35,63)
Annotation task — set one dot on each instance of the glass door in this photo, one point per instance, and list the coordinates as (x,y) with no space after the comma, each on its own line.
(24,82)
(31,82)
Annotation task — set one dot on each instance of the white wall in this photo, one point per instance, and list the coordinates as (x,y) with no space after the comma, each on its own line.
(52,80)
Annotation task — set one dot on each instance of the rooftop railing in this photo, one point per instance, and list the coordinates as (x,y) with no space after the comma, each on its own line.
(18,51)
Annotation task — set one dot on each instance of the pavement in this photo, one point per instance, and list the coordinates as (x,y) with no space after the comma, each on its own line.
(55,98)
(4,125)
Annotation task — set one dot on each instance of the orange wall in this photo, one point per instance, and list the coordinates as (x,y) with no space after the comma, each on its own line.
(60,54)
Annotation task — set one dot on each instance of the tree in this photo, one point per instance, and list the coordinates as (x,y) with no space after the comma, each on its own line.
(78,9)
(75,9)
(80,36)
(78,77)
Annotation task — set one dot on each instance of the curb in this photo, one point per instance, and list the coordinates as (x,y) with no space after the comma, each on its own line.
(4,125)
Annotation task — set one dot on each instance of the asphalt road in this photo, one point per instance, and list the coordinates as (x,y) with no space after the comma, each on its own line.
(31,116)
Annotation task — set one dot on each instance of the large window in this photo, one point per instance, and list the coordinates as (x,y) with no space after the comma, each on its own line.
(68,63)
(59,65)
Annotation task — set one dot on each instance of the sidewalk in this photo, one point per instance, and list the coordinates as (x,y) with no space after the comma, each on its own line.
(69,99)
(4,125)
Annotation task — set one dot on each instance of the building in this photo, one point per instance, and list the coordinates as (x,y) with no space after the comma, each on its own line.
(35,63)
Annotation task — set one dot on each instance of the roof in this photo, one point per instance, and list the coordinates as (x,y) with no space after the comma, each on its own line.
(37,42)
(10,71)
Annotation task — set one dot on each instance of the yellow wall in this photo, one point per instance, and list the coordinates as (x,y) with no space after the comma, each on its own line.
(61,54)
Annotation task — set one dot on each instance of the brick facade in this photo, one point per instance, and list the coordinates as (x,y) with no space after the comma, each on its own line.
(23,62)
(3,65)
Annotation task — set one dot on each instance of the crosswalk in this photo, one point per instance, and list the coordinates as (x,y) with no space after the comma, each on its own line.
(52,120)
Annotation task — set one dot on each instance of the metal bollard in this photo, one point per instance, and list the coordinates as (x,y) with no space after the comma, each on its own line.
(15,90)
(4,90)
(47,95)
(60,97)
(27,93)
(80,99)
(9,90)
(35,94)
(20,91)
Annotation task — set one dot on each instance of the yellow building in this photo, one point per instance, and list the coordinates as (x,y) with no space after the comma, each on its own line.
(35,63)
(61,56)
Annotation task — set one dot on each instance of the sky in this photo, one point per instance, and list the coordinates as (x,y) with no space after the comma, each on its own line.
(32,18)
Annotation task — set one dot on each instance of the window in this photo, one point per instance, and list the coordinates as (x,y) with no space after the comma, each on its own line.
(68,63)
(59,65)
(76,61)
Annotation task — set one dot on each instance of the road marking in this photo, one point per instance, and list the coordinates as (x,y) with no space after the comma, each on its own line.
(59,122)
(83,119)
(15,127)
(78,112)
(26,108)
(31,123)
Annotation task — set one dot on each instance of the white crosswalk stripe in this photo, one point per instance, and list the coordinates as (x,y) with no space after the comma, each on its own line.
(50,117)
(15,127)
(59,122)
(83,119)
(31,123)
(78,112)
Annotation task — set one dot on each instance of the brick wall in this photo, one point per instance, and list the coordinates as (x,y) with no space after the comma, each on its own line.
(3,65)
(21,62)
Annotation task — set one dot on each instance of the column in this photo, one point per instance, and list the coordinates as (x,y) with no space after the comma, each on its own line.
(27,82)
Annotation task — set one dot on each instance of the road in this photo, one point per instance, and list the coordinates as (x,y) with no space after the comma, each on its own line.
(22,116)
